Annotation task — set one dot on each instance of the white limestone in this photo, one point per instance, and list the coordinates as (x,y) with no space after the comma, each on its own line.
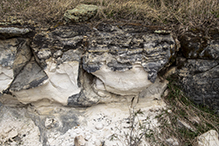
(128,82)
(209,138)
(108,124)
(16,129)
(102,123)
(6,77)
(61,84)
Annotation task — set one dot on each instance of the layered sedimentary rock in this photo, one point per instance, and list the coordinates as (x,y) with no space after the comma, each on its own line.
(58,59)
(126,58)
(14,55)
(80,65)
(199,70)
(8,32)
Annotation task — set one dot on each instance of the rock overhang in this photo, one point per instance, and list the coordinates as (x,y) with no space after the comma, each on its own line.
(114,55)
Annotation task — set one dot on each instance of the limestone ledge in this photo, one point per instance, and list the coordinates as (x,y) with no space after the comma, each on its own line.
(80,65)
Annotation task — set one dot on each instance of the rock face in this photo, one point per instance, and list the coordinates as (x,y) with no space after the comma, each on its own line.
(199,71)
(126,59)
(17,129)
(14,55)
(80,66)
(56,76)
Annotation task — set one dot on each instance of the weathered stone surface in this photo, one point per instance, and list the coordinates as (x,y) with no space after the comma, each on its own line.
(128,82)
(53,44)
(123,56)
(58,82)
(87,96)
(199,71)
(97,124)
(209,138)
(199,79)
(197,45)
(14,55)
(8,32)
(59,53)
(30,77)
(16,128)
(81,13)
(123,60)
(56,72)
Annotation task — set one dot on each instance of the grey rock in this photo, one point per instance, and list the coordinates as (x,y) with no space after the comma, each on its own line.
(81,13)
(62,39)
(8,32)
(199,70)
(57,121)
(121,47)
(199,79)
(8,51)
(87,96)
(14,55)
(60,55)
(195,45)
(31,76)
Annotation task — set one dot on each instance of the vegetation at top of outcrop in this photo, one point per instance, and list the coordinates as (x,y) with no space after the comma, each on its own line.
(176,14)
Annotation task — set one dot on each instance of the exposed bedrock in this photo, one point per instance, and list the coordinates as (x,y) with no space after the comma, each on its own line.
(126,59)
(199,69)
(80,65)
(14,55)
(55,75)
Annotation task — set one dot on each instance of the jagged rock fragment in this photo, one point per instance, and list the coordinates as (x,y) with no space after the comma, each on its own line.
(14,55)
(209,138)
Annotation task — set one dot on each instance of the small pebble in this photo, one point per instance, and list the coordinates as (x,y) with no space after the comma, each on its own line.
(99,126)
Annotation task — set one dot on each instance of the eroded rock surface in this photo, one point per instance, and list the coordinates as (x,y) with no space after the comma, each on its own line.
(17,129)
(14,55)
(199,70)
(122,60)
(196,45)
(209,138)
(8,32)
(58,54)
(126,59)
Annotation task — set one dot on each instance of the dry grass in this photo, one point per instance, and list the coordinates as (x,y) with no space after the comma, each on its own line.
(181,110)
(191,13)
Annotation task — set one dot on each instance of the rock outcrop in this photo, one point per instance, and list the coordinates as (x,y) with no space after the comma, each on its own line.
(126,60)
(14,55)
(9,32)
(199,69)
(80,65)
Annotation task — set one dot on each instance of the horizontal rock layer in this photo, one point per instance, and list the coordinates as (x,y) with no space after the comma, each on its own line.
(80,65)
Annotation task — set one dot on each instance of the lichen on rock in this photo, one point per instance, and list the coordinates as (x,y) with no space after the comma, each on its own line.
(81,13)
